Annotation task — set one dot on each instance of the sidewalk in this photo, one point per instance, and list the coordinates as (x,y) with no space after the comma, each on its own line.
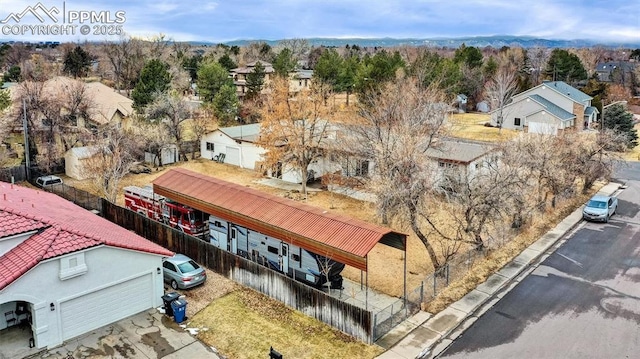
(425,336)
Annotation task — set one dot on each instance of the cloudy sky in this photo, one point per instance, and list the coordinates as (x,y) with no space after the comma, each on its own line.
(218,21)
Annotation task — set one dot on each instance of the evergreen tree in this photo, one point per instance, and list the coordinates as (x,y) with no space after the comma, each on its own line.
(226,62)
(5,100)
(225,105)
(284,63)
(617,118)
(211,77)
(565,66)
(327,69)
(154,79)
(255,81)
(13,75)
(77,62)
(469,55)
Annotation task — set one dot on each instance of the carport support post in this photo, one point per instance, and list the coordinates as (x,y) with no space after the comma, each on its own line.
(361,279)
(404,284)
(366,293)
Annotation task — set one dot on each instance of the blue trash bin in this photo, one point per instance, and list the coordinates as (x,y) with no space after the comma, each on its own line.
(179,307)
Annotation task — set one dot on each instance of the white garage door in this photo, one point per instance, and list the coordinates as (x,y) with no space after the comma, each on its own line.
(105,306)
(543,128)
(233,156)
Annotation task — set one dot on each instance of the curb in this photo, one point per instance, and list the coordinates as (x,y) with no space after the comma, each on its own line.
(428,336)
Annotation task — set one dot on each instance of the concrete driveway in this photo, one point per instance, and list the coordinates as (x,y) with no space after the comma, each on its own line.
(146,335)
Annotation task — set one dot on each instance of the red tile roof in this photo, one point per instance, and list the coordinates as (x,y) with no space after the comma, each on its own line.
(63,228)
(344,239)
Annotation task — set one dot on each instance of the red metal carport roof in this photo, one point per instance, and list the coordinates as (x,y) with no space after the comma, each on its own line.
(341,238)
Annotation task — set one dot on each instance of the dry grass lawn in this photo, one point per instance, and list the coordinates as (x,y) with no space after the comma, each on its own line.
(244,324)
(471,126)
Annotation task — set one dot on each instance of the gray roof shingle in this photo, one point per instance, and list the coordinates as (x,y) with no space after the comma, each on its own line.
(552,108)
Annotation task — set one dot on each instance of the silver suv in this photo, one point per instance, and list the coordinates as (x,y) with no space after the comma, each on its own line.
(48,181)
(182,272)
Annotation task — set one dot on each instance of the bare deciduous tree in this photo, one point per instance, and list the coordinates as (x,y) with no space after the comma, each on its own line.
(404,122)
(170,111)
(499,91)
(111,161)
(295,128)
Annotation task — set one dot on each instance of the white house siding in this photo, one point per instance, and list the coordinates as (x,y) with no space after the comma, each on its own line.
(248,152)
(106,267)
(521,106)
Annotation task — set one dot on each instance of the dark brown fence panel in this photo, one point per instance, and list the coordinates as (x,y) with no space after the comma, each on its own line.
(345,317)
(15,174)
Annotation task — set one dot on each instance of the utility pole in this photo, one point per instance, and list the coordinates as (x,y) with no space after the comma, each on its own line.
(25,129)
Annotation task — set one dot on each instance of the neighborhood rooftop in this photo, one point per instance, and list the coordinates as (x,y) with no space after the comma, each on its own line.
(459,151)
(570,91)
(341,238)
(248,133)
(62,227)
(552,108)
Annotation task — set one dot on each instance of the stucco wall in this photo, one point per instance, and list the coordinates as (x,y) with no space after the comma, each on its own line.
(106,266)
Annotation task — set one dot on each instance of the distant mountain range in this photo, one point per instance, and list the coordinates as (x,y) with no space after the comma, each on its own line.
(477,41)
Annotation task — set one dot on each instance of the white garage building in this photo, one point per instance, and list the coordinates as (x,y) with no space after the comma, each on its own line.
(65,271)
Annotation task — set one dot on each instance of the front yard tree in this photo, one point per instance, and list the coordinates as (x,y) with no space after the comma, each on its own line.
(154,80)
(211,77)
(77,62)
(396,128)
(255,81)
(294,128)
(226,105)
(617,118)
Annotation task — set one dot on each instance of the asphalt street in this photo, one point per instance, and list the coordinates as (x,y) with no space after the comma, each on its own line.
(583,301)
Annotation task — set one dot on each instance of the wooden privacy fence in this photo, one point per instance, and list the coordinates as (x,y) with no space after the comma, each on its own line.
(343,316)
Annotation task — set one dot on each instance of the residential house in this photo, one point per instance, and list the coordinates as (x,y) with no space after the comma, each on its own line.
(456,159)
(615,71)
(549,108)
(237,146)
(239,76)
(106,105)
(298,80)
(65,271)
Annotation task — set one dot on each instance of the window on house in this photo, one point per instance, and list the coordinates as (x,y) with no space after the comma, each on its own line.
(295,257)
(210,146)
(273,250)
(516,121)
(441,164)
(362,168)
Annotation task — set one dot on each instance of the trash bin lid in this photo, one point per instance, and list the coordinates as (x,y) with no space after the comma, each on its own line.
(179,303)
(169,297)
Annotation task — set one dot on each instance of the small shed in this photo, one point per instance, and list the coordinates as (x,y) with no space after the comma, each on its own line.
(76,162)
(461,101)
(482,106)
(168,154)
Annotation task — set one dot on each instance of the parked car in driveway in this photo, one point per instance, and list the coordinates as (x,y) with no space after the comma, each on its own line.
(600,208)
(182,272)
(48,181)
